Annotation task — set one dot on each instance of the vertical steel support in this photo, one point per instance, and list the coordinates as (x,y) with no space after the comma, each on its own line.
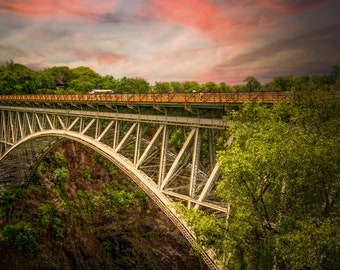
(2,145)
(194,164)
(4,133)
(116,135)
(137,143)
(1,131)
(212,149)
(81,124)
(162,160)
(97,131)
(11,124)
(20,123)
(3,127)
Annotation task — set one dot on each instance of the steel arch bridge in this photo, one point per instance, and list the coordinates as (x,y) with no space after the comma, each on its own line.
(167,144)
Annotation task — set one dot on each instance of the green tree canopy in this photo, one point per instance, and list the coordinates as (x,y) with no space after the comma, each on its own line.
(17,78)
(282,179)
(252,84)
(162,87)
(132,85)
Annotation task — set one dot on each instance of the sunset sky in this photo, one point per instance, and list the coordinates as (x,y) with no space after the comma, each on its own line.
(169,40)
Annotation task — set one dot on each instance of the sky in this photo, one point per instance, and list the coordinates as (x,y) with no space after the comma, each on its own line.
(170,40)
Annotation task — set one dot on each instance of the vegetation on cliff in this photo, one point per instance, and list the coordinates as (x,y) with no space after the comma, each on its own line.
(82,213)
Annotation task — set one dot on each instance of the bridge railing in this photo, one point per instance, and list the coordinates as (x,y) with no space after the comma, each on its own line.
(199,97)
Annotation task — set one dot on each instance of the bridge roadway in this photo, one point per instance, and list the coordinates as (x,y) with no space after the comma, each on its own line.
(168,99)
(165,142)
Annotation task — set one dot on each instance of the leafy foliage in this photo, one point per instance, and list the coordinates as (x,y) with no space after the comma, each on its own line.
(18,79)
(22,236)
(51,221)
(69,222)
(281,179)
(177,138)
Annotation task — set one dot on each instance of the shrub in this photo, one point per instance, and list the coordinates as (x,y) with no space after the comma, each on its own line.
(22,236)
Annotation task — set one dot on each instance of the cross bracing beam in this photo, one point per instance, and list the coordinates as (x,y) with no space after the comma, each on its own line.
(145,143)
(172,158)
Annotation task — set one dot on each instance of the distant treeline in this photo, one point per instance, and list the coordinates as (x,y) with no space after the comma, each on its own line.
(19,79)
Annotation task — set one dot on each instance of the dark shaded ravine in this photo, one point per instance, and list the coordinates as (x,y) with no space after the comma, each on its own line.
(83,213)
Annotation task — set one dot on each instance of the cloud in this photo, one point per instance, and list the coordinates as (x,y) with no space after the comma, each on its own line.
(102,57)
(293,6)
(312,53)
(201,40)
(57,9)
(200,14)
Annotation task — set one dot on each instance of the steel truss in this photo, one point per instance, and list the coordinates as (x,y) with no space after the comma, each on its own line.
(172,158)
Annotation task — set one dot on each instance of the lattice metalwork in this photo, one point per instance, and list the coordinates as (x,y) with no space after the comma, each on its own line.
(176,153)
(172,158)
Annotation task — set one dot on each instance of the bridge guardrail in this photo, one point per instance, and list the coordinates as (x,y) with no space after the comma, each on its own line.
(199,97)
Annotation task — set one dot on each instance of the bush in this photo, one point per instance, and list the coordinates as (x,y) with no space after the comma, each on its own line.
(22,237)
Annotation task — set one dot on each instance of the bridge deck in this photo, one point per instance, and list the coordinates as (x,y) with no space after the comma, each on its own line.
(154,98)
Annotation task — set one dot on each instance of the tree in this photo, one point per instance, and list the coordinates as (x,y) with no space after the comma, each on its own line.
(301,83)
(82,85)
(209,87)
(107,82)
(282,83)
(82,72)
(239,88)
(223,87)
(281,177)
(132,85)
(252,84)
(7,82)
(176,87)
(18,79)
(46,81)
(22,236)
(63,73)
(190,86)
(142,85)
(162,87)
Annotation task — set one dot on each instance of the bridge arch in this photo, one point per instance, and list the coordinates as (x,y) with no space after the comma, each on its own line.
(135,138)
(41,143)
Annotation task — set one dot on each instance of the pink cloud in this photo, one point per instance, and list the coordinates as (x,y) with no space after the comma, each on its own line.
(195,13)
(58,9)
(107,58)
(103,58)
(200,14)
(221,21)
